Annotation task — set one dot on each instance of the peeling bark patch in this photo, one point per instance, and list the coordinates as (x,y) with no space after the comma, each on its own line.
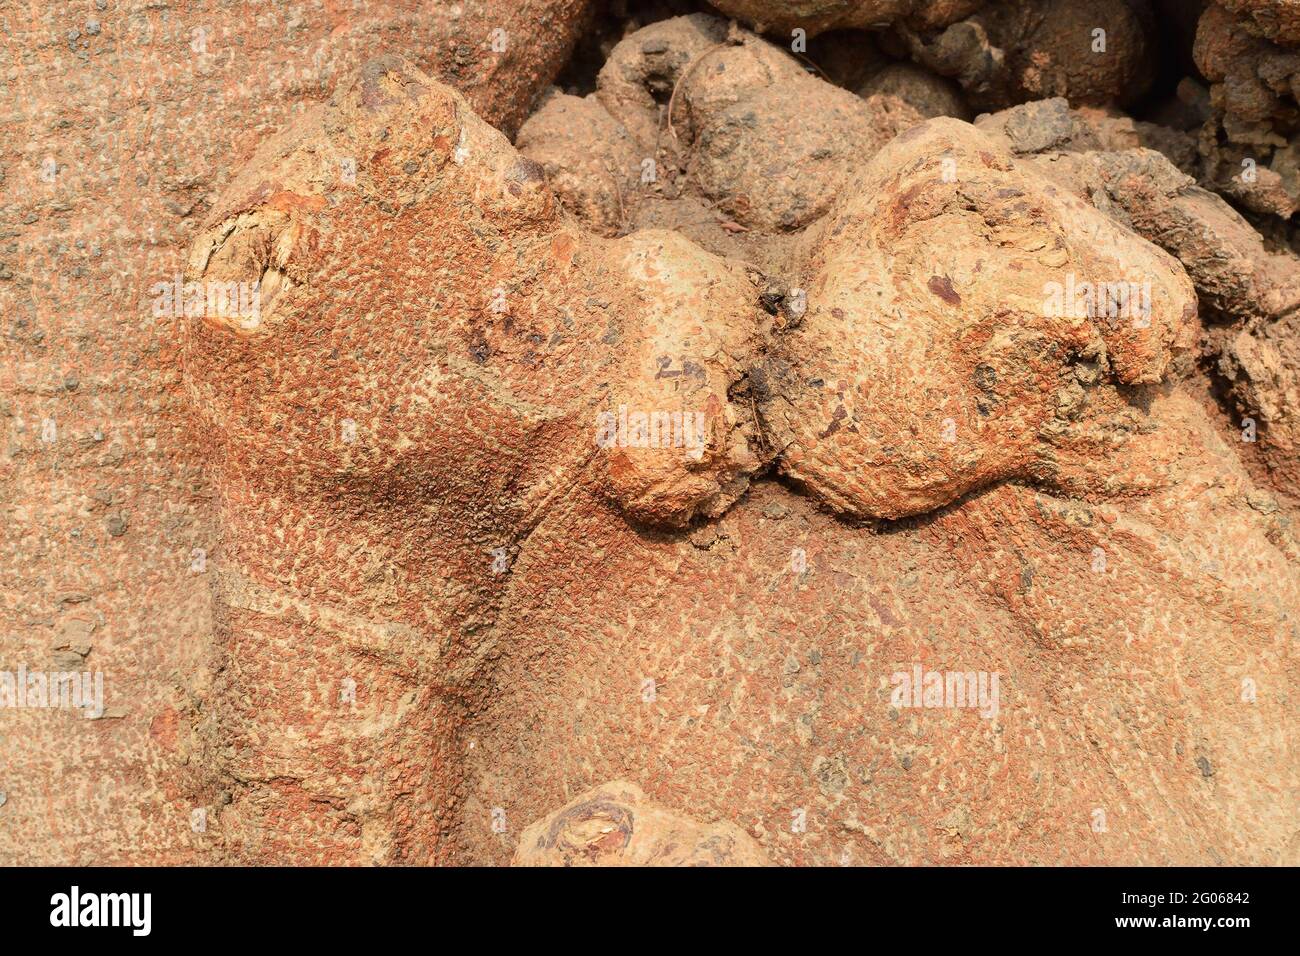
(942,287)
(836,420)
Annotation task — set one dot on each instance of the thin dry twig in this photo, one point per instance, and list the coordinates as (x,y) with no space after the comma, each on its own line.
(686,73)
(820,71)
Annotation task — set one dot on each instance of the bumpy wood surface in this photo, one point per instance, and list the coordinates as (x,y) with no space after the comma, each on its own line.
(122,123)
(448,607)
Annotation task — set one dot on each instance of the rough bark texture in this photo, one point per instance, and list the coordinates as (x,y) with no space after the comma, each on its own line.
(1247,51)
(122,122)
(817,16)
(579,500)
(1249,293)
